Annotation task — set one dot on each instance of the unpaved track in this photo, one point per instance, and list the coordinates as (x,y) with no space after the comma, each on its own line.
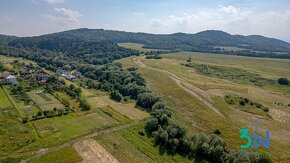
(93,152)
(199,94)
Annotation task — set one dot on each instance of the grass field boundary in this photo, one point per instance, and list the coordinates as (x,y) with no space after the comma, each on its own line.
(112,113)
(59,99)
(12,102)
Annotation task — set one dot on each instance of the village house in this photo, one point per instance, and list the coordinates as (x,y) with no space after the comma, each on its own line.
(3,61)
(60,72)
(76,73)
(24,73)
(9,61)
(11,80)
(70,77)
(5,74)
(41,75)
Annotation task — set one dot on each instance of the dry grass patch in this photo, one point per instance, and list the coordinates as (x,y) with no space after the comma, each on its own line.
(127,109)
(91,151)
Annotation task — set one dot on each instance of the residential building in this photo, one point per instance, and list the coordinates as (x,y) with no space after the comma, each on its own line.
(11,80)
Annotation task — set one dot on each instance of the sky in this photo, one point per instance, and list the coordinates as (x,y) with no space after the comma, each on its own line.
(270,18)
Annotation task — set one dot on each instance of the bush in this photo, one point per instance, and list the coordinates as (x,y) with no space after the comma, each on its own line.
(247,156)
(283,81)
(84,104)
(115,95)
(217,132)
(242,103)
(141,133)
(147,100)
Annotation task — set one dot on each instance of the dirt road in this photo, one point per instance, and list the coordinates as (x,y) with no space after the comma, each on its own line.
(198,93)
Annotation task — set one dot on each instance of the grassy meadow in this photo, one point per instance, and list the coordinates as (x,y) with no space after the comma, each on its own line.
(196,117)
(128,146)
(136,47)
(45,101)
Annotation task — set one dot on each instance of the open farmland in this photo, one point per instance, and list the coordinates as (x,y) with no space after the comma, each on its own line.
(128,146)
(169,78)
(5,103)
(125,109)
(61,154)
(13,134)
(136,47)
(45,101)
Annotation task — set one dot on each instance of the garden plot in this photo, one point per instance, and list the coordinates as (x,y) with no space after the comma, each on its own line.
(45,101)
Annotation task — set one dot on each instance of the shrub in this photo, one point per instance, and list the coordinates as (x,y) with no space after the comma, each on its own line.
(115,95)
(141,133)
(147,100)
(242,103)
(217,132)
(283,81)
(84,104)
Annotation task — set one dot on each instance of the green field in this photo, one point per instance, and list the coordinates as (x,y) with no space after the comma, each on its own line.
(13,134)
(23,110)
(58,130)
(45,101)
(5,103)
(128,146)
(67,154)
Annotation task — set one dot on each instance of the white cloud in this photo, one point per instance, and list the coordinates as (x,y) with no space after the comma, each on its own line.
(230,9)
(138,14)
(69,15)
(54,1)
(229,19)
(65,18)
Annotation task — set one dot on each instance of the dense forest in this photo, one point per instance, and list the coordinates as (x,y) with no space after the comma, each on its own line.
(102,43)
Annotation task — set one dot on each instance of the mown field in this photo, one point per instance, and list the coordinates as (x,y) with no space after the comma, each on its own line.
(45,101)
(136,47)
(196,117)
(67,154)
(128,146)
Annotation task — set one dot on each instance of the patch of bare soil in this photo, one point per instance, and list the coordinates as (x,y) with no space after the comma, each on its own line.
(93,152)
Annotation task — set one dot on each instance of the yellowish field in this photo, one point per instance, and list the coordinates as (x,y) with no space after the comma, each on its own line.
(125,109)
(136,47)
(197,117)
(267,67)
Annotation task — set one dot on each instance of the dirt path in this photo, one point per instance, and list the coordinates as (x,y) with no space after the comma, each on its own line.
(198,93)
(93,152)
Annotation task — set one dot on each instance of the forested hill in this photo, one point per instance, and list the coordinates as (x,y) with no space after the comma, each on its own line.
(206,41)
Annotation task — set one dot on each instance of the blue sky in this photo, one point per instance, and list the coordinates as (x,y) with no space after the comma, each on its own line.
(34,17)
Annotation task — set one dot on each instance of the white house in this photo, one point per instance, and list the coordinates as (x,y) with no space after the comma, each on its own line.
(11,79)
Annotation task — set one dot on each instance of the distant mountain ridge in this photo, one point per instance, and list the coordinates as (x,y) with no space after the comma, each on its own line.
(205,41)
